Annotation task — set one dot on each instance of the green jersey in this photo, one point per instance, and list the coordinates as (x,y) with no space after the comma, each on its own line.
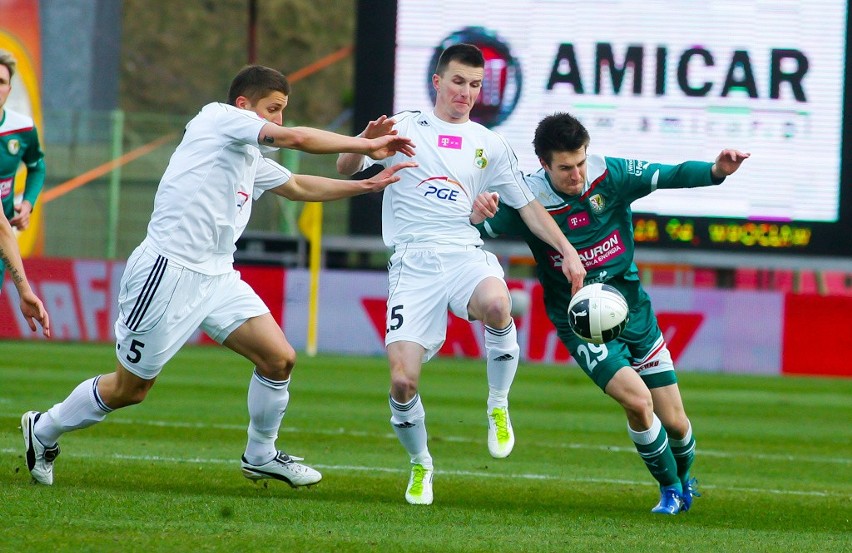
(19,144)
(598,223)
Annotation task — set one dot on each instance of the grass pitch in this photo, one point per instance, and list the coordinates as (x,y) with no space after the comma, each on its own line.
(774,463)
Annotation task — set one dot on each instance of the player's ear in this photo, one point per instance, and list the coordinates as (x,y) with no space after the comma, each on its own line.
(435,80)
(242,102)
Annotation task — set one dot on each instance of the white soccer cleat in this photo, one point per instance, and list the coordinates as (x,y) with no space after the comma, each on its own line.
(282,467)
(419,491)
(39,458)
(501,437)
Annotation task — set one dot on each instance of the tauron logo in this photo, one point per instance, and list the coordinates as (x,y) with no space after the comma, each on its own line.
(501,83)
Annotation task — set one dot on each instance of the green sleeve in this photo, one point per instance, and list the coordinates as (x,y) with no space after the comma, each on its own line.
(689,174)
(507,222)
(33,158)
(636,178)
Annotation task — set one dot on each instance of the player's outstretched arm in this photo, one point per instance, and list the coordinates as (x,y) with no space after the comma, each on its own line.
(727,163)
(31,307)
(310,188)
(317,141)
(350,163)
(539,221)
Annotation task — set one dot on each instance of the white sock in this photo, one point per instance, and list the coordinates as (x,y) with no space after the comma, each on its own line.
(502,352)
(82,408)
(409,423)
(267,403)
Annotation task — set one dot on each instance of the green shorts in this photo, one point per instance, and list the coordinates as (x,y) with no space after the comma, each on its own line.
(641,346)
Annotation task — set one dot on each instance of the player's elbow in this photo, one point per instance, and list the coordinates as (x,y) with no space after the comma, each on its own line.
(344,166)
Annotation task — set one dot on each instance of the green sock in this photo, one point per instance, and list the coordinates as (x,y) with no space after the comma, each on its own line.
(653,447)
(684,454)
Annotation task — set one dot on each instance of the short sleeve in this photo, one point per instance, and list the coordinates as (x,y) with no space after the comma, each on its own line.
(269,175)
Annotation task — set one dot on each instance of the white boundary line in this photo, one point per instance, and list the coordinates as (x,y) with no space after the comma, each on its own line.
(462,473)
(459,439)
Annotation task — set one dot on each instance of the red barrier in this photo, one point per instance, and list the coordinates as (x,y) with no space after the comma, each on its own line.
(817,335)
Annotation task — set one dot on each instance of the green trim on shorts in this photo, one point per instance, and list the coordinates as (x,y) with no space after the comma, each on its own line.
(658,380)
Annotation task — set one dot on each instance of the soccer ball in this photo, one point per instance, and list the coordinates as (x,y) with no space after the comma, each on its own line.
(598,313)
(520,301)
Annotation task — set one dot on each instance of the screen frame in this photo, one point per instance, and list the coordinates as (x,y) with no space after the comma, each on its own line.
(374,95)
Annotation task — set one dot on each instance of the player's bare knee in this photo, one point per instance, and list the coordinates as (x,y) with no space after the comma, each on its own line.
(638,405)
(278,366)
(127,395)
(496,311)
(678,427)
(403,388)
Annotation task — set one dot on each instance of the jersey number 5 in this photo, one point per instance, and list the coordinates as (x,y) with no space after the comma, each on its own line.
(395,319)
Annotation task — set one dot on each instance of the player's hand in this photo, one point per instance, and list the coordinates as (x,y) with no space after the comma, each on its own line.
(22,220)
(379,127)
(484,207)
(573,269)
(385,146)
(33,310)
(382,180)
(727,162)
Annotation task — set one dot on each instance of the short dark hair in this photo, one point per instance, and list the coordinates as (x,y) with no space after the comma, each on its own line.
(560,132)
(466,54)
(256,82)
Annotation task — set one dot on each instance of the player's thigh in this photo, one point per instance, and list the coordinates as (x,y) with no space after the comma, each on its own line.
(668,405)
(600,362)
(261,341)
(474,279)
(417,302)
(160,306)
(649,355)
(231,303)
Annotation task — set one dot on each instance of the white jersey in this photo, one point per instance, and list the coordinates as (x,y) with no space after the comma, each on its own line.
(205,197)
(431,204)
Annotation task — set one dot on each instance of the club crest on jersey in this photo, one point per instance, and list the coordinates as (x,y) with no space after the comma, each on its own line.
(479,159)
(597,203)
(13,146)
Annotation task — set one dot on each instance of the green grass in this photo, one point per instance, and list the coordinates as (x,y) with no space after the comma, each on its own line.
(774,458)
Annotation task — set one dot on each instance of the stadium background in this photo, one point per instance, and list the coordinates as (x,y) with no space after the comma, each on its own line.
(136,76)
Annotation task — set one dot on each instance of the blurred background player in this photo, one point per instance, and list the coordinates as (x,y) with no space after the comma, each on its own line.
(589,197)
(31,307)
(437,261)
(181,277)
(18,143)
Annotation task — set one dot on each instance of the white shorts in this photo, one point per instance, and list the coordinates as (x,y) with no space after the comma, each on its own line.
(161,305)
(423,282)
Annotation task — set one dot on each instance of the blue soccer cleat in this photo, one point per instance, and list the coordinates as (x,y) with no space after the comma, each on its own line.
(671,501)
(690,490)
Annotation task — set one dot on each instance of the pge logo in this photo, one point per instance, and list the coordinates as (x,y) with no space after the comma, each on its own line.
(443,188)
(501,83)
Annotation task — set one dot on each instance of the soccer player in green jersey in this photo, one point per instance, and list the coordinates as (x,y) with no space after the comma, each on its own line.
(18,143)
(589,196)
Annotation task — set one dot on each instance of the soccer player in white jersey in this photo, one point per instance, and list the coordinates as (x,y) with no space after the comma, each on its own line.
(437,261)
(181,277)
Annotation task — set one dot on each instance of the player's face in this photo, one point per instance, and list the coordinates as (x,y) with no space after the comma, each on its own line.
(567,171)
(269,107)
(457,90)
(5,84)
